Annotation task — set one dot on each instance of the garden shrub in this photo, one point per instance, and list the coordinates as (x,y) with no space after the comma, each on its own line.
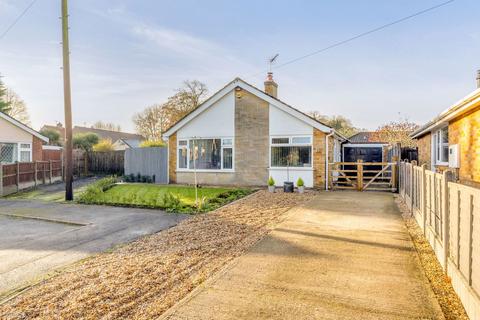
(94,192)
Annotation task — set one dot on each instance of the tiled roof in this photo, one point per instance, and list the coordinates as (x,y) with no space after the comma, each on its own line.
(364,137)
(102,134)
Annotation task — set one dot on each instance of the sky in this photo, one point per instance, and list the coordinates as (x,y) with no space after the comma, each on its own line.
(127,55)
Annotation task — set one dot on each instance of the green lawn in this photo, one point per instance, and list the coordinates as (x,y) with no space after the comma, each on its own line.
(171,198)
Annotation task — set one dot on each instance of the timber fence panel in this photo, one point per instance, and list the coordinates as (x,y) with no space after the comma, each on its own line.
(149,162)
(109,162)
(451,215)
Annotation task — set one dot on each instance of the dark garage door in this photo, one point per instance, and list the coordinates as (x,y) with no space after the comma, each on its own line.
(367,154)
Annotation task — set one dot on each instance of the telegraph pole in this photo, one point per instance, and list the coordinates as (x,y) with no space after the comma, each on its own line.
(68,105)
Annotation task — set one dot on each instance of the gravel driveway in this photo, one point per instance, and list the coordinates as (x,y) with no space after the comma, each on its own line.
(37,237)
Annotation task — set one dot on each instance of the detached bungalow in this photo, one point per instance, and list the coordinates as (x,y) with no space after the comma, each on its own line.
(452,139)
(18,142)
(243,135)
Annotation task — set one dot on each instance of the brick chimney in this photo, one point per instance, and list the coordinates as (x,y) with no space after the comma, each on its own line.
(478,79)
(271,87)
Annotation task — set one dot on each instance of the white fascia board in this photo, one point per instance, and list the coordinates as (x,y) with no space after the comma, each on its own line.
(23,127)
(447,115)
(245,86)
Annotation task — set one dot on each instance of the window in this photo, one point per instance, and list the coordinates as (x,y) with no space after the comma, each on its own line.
(440,146)
(291,152)
(25,152)
(8,152)
(182,154)
(205,154)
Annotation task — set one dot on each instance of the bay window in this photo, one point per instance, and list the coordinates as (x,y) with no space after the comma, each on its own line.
(440,146)
(205,154)
(291,152)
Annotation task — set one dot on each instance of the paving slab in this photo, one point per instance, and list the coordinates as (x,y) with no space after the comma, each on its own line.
(344,255)
(38,237)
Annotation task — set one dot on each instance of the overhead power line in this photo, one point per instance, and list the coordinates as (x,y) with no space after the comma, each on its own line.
(337,44)
(10,27)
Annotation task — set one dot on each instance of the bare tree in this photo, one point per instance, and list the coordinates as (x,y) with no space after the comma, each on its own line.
(341,124)
(106,126)
(397,132)
(17,108)
(154,120)
(151,122)
(185,100)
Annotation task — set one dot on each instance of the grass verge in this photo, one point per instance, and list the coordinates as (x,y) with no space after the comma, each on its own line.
(167,197)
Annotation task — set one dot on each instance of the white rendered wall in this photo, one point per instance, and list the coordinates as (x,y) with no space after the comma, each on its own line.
(281,123)
(216,121)
(11,133)
(280,176)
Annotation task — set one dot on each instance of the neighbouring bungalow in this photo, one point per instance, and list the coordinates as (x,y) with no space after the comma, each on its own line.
(120,140)
(243,135)
(19,142)
(452,139)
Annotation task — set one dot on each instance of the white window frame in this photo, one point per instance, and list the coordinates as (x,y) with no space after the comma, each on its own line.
(290,144)
(232,146)
(20,149)
(438,145)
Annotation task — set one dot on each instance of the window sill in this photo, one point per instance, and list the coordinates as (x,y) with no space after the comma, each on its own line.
(292,168)
(206,170)
(441,164)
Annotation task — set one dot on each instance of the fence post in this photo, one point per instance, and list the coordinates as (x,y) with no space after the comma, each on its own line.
(43,172)
(50,170)
(35,170)
(412,182)
(62,168)
(447,176)
(85,164)
(394,177)
(424,198)
(17,181)
(1,179)
(359,175)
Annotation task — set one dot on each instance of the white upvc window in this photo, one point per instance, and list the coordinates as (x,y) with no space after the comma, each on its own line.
(25,152)
(291,151)
(205,154)
(440,146)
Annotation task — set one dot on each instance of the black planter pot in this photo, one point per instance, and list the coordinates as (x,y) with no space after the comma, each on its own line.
(288,187)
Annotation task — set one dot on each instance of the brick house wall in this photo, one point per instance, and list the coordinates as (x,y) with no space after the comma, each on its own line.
(251,139)
(465,131)
(37,151)
(319,157)
(425,150)
(251,150)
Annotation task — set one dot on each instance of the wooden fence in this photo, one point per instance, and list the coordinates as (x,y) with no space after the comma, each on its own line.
(86,163)
(23,175)
(362,176)
(449,215)
(110,162)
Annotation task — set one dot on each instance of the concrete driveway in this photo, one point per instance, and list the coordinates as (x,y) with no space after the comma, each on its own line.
(37,237)
(345,255)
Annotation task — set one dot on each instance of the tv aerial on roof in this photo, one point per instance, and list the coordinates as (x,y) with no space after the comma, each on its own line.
(272,61)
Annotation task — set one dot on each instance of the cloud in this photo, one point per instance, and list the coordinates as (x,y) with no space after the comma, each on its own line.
(174,40)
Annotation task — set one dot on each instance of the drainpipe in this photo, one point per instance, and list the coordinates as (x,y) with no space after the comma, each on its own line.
(326,158)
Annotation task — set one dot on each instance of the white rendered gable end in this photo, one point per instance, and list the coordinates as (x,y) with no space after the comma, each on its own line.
(249,88)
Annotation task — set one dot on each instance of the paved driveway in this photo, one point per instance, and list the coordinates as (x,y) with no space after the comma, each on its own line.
(38,237)
(345,255)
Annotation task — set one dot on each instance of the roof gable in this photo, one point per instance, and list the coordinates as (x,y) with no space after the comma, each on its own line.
(255,91)
(24,127)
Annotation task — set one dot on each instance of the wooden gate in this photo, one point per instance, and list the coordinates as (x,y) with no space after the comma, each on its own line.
(362,176)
